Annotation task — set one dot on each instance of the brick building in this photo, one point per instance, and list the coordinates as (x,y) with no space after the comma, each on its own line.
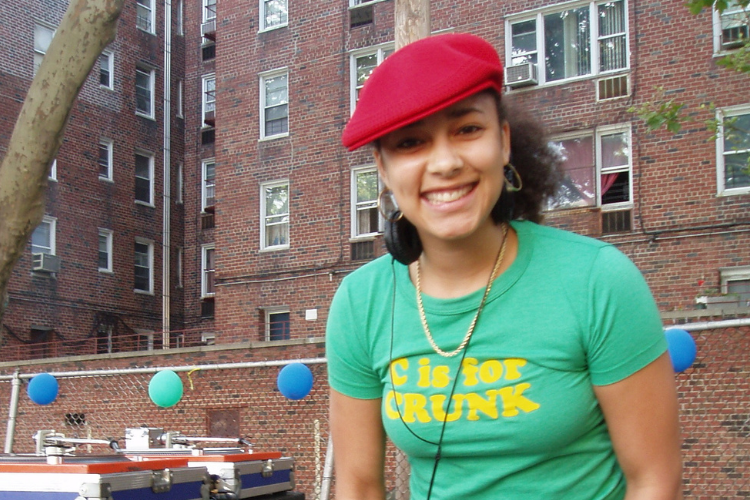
(201,194)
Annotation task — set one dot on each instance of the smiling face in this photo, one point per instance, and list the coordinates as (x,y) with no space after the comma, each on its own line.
(446,171)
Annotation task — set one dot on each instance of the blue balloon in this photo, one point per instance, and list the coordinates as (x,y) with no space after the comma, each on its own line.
(43,389)
(295,381)
(682,349)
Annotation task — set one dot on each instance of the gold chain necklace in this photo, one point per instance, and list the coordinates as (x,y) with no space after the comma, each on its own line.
(465,341)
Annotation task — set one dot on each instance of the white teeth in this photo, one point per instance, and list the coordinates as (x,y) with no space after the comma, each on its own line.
(447,196)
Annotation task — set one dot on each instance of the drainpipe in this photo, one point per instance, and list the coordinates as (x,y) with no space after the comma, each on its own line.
(167,197)
(12,412)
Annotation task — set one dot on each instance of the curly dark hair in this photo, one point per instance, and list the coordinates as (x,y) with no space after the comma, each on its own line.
(536,162)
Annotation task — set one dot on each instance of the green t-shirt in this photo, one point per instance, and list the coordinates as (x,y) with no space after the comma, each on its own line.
(570,312)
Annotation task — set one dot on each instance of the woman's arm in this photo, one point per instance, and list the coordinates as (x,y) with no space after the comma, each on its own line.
(642,415)
(358,446)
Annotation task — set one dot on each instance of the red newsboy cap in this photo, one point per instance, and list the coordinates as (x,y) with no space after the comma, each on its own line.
(419,79)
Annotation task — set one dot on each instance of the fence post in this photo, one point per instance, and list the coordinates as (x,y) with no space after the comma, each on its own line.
(12,412)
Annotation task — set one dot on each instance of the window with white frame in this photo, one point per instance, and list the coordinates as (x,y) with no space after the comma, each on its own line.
(43,237)
(733,150)
(106,69)
(42,38)
(105,250)
(366,219)
(278,324)
(209,10)
(145,15)
(361,67)
(567,42)
(731,27)
(208,184)
(180,253)
(274,215)
(180,17)
(144,92)
(207,271)
(736,281)
(180,183)
(53,171)
(209,97)
(180,90)
(144,176)
(597,169)
(105,159)
(273,14)
(144,266)
(274,104)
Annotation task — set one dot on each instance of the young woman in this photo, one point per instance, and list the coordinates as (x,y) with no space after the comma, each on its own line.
(507,360)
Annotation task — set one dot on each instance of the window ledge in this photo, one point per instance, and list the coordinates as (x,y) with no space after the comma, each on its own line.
(364,4)
(582,78)
(104,87)
(143,292)
(273,28)
(106,179)
(144,115)
(274,249)
(144,204)
(365,237)
(273,137)
(107,271)
(734,192)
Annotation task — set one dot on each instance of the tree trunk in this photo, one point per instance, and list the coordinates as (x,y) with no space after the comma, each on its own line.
(412,21)
(87,27)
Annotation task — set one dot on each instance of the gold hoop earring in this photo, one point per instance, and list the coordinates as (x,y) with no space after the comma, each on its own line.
(514,183)
(388,209)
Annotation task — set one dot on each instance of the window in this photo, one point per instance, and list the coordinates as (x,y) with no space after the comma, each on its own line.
(273,14)
(274,105)
(208,185)
(145,15)
(207,271)
(144,174)
(362,65)
(209,10)
(274,215)
(179,98)
(731,27)
(733,150)
(144,92)
(42,38)
(568,43)
(53,170)
(180,183)
(277,324)
(43,237)
(105,250)
(106,69)
(736,281)
(209,100)
(365,189)
(144,265)
(105,159)
(597,169)
(179,266)
(180,15)
(40,338)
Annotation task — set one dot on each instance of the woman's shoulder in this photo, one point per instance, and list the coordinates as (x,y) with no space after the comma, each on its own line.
(371,273)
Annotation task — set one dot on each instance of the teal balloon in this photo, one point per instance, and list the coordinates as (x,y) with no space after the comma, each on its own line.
(295,381)
(682,349)
(165,388)
(43,389)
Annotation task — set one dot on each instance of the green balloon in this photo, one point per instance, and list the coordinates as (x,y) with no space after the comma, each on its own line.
(165,388)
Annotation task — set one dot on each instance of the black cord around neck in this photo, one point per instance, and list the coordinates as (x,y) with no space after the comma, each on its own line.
(439,444)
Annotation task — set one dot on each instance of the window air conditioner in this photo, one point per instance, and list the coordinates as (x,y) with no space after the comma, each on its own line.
(45,262)
(521,75)
(208,29)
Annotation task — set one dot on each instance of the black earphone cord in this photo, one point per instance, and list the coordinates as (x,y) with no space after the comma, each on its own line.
(439,444)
